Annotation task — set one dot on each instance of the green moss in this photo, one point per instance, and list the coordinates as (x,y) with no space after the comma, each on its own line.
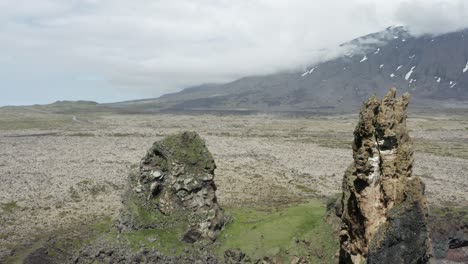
(165,240)
(103,225)
(187,148)
(9,207)
(144,214)
(286,232)
(157,231)
(306,189)
(141,216)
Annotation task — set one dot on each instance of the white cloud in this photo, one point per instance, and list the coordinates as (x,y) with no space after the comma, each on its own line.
(149,47)
(433,17)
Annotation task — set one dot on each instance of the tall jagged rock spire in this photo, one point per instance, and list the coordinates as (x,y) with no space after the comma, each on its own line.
(384,210)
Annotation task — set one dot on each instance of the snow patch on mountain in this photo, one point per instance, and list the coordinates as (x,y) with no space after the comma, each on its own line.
(308,72)
(408,75)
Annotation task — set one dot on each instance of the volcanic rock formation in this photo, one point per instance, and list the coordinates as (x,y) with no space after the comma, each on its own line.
(174,185)
(384,210)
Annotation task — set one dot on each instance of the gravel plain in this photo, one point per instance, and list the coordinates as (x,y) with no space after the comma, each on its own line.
(57,170)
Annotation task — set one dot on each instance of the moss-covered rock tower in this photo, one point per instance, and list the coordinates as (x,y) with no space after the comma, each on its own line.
(174,185)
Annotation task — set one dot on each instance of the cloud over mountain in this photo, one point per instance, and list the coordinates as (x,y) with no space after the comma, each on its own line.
(111,50)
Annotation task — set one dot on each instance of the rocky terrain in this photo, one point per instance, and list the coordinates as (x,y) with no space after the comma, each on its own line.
(384,209)
(60,175)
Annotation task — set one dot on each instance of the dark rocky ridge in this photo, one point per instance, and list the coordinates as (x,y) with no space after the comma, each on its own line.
(384,210)
(433,68)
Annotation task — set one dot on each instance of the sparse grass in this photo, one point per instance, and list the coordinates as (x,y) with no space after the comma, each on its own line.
(42,118)
(448,219)
(81,134)
(9,207)
(3,236)
(326,140)
(66,242)
(283,233)
(306,189)
(426,176)
(147,217)
(74,194)
(20,256)
(119,134)
(24,122)
(166,240)
(444,149)
(88,186)
(141,216)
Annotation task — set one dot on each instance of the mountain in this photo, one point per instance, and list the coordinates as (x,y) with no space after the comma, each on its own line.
(432,68)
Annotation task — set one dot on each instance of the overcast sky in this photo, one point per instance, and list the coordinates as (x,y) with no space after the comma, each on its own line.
(112,50)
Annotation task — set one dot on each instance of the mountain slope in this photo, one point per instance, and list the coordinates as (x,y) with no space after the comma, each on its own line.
(431,68)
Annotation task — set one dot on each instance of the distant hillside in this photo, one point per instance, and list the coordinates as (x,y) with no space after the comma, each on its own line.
(65,107)
(73,103)
(433,69)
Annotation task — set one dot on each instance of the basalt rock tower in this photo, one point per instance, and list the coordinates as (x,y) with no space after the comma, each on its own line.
(384,210)
(174,185)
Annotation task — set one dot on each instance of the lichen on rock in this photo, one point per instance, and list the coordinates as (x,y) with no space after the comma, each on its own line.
(384,211)
(174,185)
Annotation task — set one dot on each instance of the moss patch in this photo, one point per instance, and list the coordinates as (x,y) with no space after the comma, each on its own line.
(144,215)
(282,233)
(187,148)
(165,240)
(9,207)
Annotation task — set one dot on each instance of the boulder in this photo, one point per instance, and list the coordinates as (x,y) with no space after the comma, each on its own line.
(174,184)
